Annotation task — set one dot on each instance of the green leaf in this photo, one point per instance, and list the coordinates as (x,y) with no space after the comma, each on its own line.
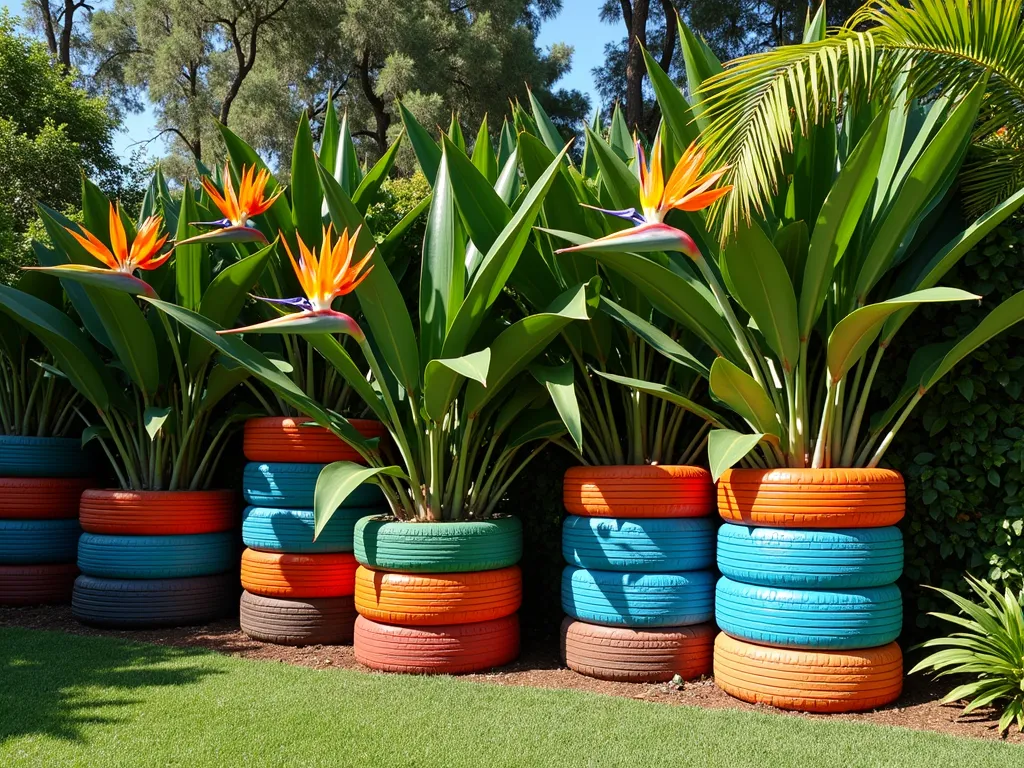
(546,130)
(701,64)
(558,380)
(94,432)
(538,424)
(675,110)
(346,165)
(95,210)
(330,135)
(428,153)
(484,158)
(224,378)
(726,448)
(654,336)
(191,262)
(306,195)
(130,336)
(621,183)
(667,393)
(619,139)
(370,185)
(279,217)
(334,484)
(507,144)
(443,379)
(154,420)
(741,392)
(443,270)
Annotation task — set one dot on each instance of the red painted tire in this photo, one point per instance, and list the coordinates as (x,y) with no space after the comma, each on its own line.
(653,655)
(40,498)
(640,491)
(812,498)
(279,574)
(292,439)
(454,649)
(36,584)
(158,513)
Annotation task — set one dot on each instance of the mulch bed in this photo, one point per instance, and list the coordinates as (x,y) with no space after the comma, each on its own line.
(539,667)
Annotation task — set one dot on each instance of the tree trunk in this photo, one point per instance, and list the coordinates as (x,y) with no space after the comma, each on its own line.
(380,112)
(636,28)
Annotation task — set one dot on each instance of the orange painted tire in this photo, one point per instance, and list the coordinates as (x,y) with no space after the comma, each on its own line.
(653,655)
(812,498)
(286,438)
(426,599)
(40,498)
(157,513)
(36,584)
(809,681)
(640,491)
(278,574)
(452,649)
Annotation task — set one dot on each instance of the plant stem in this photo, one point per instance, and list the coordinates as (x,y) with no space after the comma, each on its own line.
(895,428)
(858,415)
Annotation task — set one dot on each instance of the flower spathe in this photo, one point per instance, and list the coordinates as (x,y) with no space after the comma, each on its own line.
(237,207)
(323,278)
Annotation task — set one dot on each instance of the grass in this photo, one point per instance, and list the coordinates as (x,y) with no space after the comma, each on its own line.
(68,700)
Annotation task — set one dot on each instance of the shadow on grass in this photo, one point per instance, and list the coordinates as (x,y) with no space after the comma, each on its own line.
(57,688)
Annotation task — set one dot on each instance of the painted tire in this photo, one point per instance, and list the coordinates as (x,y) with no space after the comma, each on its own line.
(43,457)
(291,530)
(156,557)
(638,599)
(638,655)
(289,439)
(41,498)
(809,618)
(387,545)
(309,621)
(277,574)
(35,584)
(851,681)
(641,491)
(30,542)
(812,498)
(433,599)
(443,650)
(848,558)
(158,513)
(290,486)
(153,603)
(644,545)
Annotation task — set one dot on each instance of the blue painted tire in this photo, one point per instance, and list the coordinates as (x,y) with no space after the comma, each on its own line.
(809,618)
(842,558)
(32,542)
(291,486)
(291,530)
(646,545)
(638,599)
(157,557)
(43,457)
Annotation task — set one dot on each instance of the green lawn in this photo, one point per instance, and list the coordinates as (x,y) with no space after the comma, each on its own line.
(83,701)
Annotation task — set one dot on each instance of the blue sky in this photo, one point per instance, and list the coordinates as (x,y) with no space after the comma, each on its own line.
(578,25)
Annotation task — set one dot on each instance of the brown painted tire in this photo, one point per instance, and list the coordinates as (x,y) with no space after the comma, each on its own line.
(35,584)
(453,649)
(279,574)
(812,498)
(433,599)
(638,655)
(158,513)
(297,621)
(285,438)
(641,491)
(809,681)
(40,498)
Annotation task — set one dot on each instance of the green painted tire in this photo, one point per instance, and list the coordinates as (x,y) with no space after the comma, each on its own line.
(484,545)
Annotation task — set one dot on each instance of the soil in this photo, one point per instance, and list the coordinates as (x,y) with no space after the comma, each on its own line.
(918,708)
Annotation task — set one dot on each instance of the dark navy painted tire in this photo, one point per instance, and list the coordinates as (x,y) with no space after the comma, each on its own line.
(157,557)
(841,558)
(43,457)
(809,618)
(28,542)
(646,545)
(152,603)
(291,486)
(638,599)
(291,530)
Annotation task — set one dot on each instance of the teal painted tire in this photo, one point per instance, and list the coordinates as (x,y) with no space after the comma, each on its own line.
(387,545)
(157,557)
(638,599)
(282,485)
(32,542)
(43,457)
(291,530)
(644,545)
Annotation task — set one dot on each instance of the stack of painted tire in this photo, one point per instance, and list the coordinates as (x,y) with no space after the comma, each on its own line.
(155,558)
(41,480)
(437,598)
(638,588)
(807,601)
(298,591)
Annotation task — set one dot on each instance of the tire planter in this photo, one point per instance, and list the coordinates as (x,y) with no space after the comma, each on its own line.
(45,457)
(847,681)
(389,545)
(297,621)
(41,498)
(848,558)
(441,650)
(157,513)
(35,584)
(638,599)
(289,485)
(31,542)
(291,530)
(156,557)
(647,545)
(153,603)
(281,574)
(436,599)
(653,655)
(293,439)
(638,491)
